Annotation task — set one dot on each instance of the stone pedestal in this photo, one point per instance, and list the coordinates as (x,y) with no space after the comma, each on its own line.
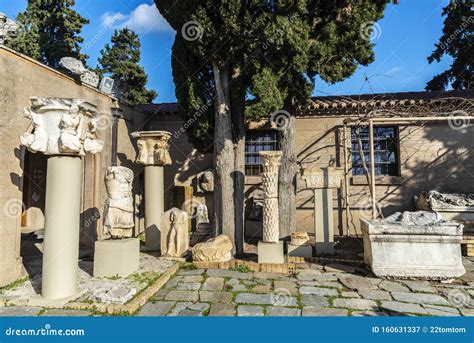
(322,181)
(270,252)
(65,130)
(153,154)
(413,251)
(116,257)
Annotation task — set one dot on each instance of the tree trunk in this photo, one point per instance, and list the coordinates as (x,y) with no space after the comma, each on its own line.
(238,102)
(287,178)
(223,157)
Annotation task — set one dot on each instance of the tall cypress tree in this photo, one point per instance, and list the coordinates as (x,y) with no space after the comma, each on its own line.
(270,52)
(49,30)
(120,61)
(456,41)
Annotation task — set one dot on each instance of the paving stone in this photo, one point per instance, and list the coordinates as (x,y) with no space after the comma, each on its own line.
(313,311)
(458,297)
(248,283)
(229,273)
(222,310)
(403,308)
(249,311)
(328,292)
(160,295)
(232,282)
(316,266)
(338,268)
(435,310)
(420,286)
(357,304)
(420,298)
(314,300)
(19,311)
(392,286)
(326,277)
(265,275)
(331,284)
(191,286)
(173,282)
(262,289)
(182,296)
(369,314)
(283,312)
(66,313)
(215,297)
(264,282)
(308,274)
(356,282)
(290,287)
(266,299)
(189,309)
(374,294)
(189,313)
(160,308)
(213,283)
(190,271)
(350,295)
(192,278)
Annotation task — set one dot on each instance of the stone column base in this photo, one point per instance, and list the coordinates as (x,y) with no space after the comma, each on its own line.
(300,250)
(270,252)
(116,257)
(10,271)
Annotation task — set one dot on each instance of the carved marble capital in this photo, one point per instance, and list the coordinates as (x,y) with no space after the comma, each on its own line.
(61,126)
(323,177)
(153,148)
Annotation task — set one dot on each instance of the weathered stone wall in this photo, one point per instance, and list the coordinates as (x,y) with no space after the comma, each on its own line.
(432,156)
(22,78)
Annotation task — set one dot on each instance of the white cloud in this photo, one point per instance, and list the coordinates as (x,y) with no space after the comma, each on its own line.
(143,19)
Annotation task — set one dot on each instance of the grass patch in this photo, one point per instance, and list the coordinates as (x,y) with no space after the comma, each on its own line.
(14,284)
(241,268)
(188,266)
(147,278)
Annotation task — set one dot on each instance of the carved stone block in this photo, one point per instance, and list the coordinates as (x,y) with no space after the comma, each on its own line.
(153,147)
(62,127)
(218,249)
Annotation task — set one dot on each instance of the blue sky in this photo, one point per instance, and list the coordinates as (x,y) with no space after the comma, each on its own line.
(404,38)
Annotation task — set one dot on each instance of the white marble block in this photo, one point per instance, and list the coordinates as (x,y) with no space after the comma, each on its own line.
(428,251)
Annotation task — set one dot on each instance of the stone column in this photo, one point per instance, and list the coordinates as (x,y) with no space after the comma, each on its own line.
(322,181)
(153,153)
(63,129)
(270,250)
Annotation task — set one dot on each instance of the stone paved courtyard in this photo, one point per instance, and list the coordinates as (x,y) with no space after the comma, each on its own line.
(331,290)
(316,290)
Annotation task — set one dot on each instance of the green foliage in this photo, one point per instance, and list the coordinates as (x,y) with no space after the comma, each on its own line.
(49,30)
(456,41)
(147,278)
(14,284)
(120,61)
(241,268)
(273,49)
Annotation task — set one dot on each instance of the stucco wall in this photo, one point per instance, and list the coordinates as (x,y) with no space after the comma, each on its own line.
(432,156)
(22,78)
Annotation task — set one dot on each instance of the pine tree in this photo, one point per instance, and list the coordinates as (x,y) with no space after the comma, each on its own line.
(270,52)
(120,61)
(49,30)
(456,41)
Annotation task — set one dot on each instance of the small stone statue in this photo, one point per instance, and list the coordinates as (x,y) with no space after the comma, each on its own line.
(118,212)
(205,181)
(174,234)
(77,68)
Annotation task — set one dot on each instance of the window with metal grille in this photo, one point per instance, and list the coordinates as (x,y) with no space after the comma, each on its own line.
(385,150)
(256,141)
